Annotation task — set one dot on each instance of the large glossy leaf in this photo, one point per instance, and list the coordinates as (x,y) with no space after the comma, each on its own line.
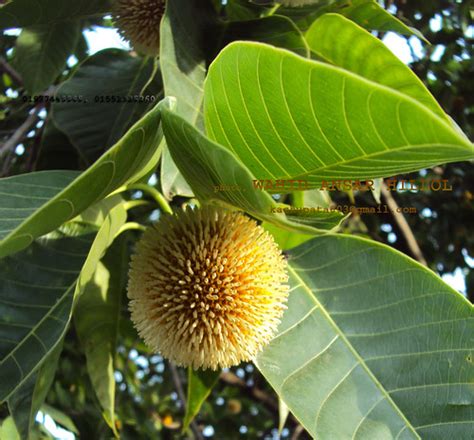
(110,82)
(374,324)
(288,117)
(96,319)
(215,174)
(37,203)
(345,44)
(20,13)
(372,16)
(25,402)
(367,13)
(183,66)
(41,53)
(36,297)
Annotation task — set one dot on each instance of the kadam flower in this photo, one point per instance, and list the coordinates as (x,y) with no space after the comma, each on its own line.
(139,22)
(207,287)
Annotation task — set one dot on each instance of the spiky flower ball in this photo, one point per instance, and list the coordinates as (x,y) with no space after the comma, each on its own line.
(139,22)
(207,287)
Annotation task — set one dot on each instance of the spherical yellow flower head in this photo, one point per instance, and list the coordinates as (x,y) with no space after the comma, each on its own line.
(139,22)
(207,287)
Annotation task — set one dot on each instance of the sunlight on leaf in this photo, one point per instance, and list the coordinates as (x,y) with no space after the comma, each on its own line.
(374,323)
(286,117)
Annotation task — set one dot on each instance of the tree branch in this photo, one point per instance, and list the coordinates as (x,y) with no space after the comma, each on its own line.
(18,136)
(298,431)
(404,226)
(231,379)
(255,393)
(179,389)
(10,71)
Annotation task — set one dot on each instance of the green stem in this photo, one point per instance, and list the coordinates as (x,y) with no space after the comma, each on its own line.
(156,66)
(271,11)
(130,226)
(153,192)
(130,204)
(298,199)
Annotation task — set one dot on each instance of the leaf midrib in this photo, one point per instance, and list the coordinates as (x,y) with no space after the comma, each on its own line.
(312,64)
(381,153)
(359,359)
(24,378)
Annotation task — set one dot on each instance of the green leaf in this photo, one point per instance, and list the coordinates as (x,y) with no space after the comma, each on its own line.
(111,83)
(367,13)
(304,201)
(21,13)
(36,203)
(96,319)
(96,214)
(316,197)
(370,15)
(283,413)
(114,220)
(183,67)
(172,181)
(41,53)
(208,167)
(284,238)
(240,10)
(276,30)
(56,151)
(182,56)
(60,418)
(25,403)
(373,322)
(8,430)
(200,385)
(23,195)
(345,44)
(36,296)
(286,117)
